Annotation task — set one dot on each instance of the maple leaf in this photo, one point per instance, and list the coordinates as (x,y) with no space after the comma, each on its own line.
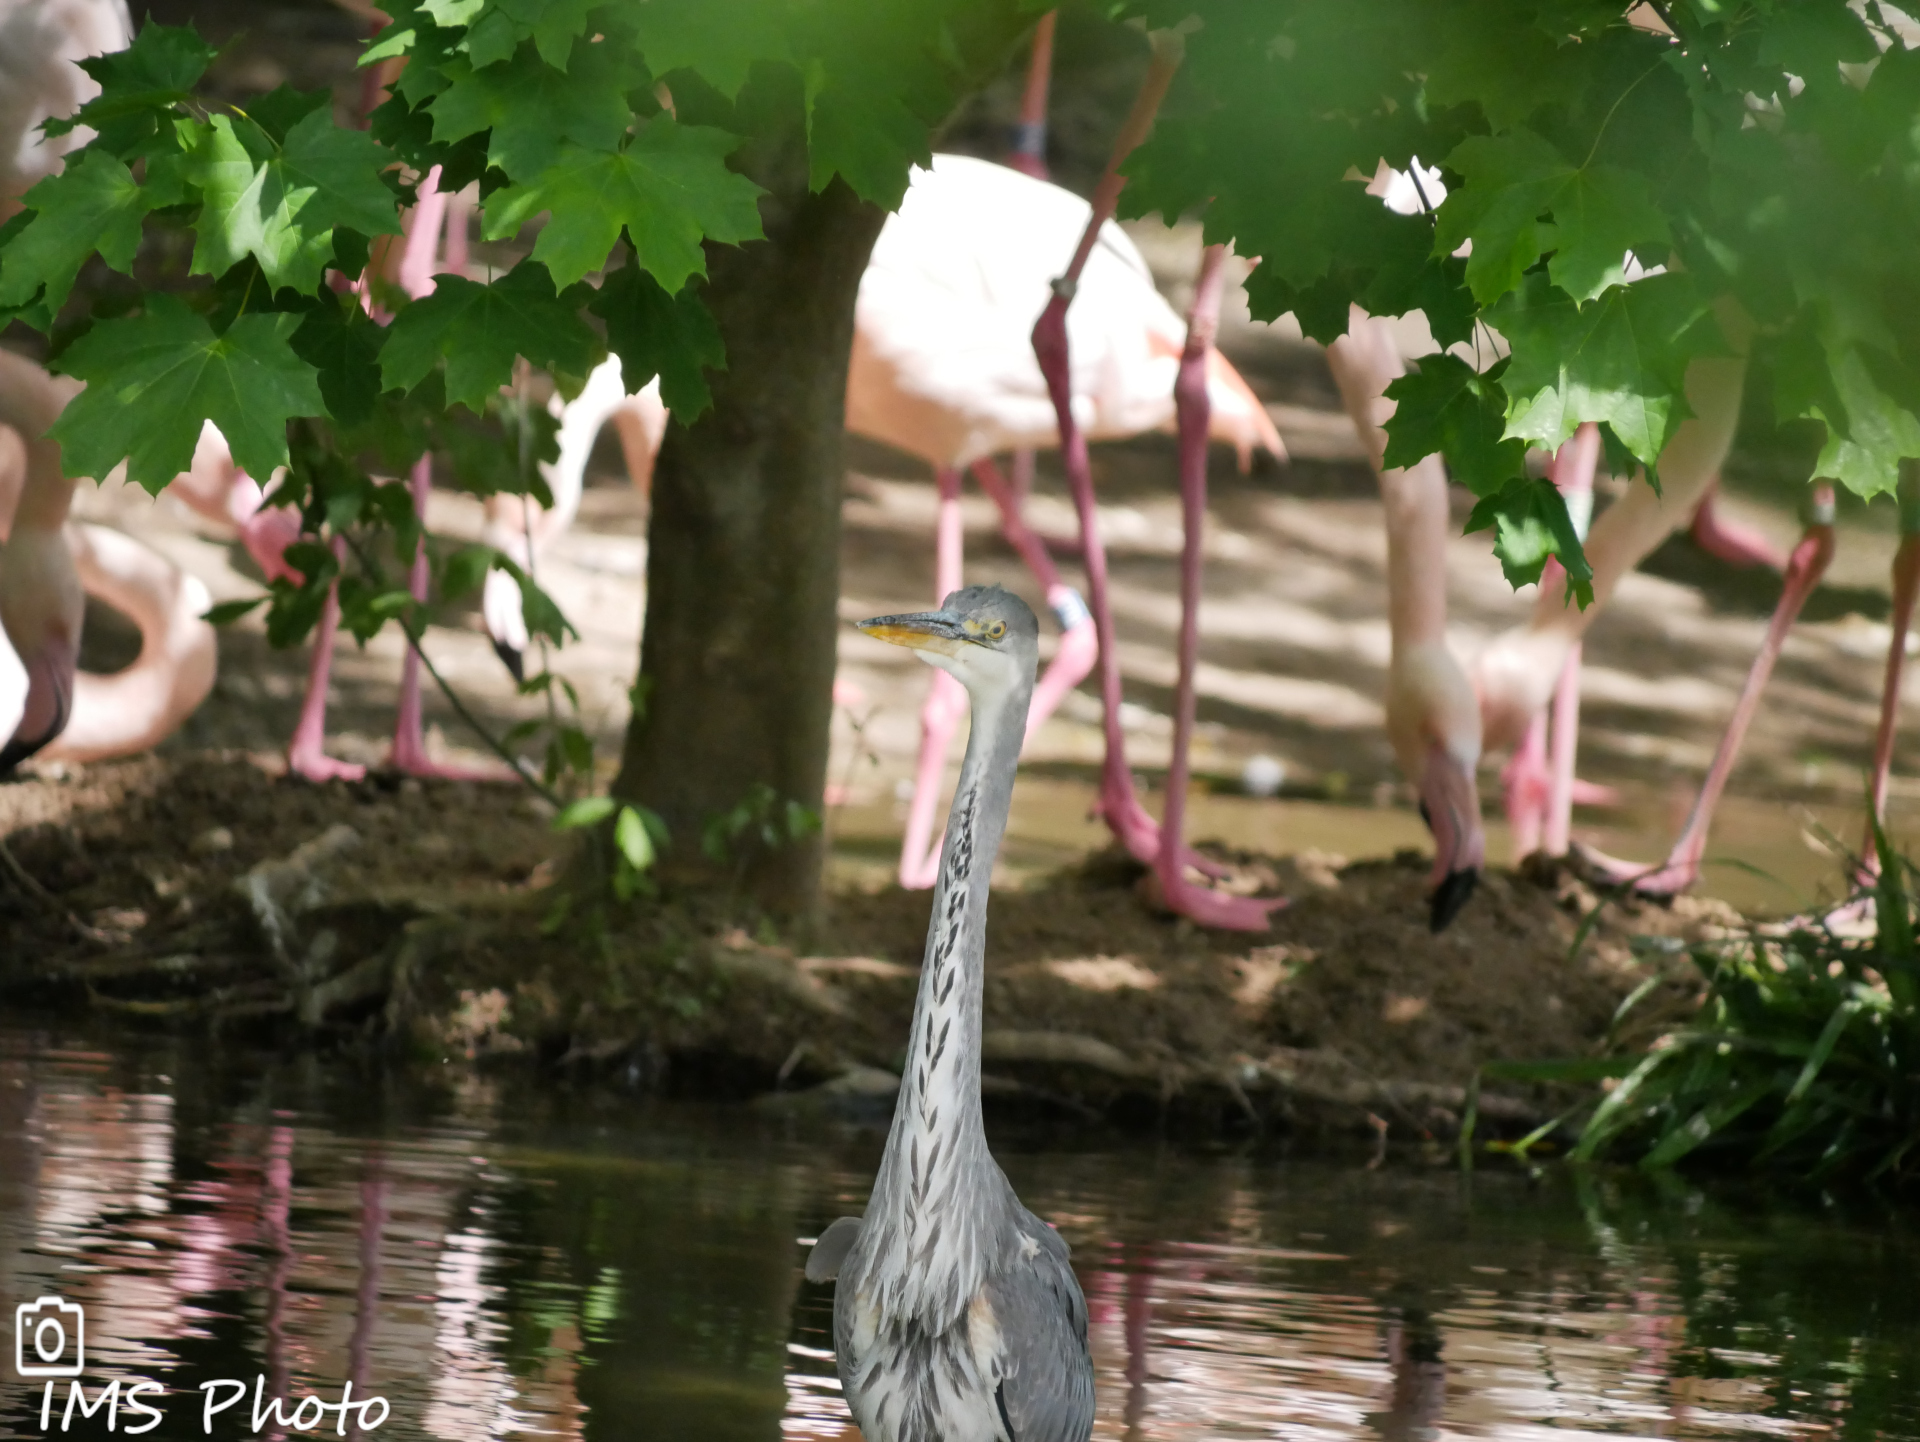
(342,343)
(531,108)
(670,189)
(719,43)
(92,205)
(280,203)
(653,333)
(154,379)
(1600,212)
(479,329)
(138,85)
(1447,406)
(1865,444)
(1529,522)
(1621,359)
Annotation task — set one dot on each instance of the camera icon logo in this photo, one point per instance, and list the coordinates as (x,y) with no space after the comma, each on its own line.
(49,1338)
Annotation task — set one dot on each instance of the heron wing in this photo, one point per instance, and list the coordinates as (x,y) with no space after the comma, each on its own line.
(823,1262)
(1046,1387)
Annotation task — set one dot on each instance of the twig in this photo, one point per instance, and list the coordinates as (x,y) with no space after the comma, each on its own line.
(539,788)
(47,899)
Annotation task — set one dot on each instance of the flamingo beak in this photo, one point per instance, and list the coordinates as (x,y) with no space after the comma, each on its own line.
(49,701)
(1450,805)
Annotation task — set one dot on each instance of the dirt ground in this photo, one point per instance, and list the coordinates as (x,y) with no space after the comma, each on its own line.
(205,890)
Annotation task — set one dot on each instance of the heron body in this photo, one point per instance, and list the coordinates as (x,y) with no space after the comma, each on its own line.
(956,1316)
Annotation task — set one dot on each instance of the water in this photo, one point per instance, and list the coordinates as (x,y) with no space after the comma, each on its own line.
(491,1258)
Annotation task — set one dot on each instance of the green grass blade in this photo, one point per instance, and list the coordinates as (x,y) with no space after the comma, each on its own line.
(1703,1124)
(1822,1049)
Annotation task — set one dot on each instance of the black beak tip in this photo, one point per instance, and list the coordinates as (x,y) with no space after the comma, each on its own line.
(16,751)
(1451,895)
(513,659)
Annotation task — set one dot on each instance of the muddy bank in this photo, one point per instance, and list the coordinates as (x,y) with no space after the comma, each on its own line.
(207,891)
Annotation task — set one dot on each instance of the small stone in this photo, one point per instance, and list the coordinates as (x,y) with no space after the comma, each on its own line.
(212,841)
(1263,776)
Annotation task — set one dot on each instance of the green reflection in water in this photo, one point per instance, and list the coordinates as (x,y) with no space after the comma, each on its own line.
(493,1257)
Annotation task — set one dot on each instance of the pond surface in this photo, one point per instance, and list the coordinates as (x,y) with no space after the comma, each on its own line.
(489,1258)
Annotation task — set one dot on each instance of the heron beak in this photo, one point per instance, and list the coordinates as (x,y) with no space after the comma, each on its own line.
(1450,804)
(939,632)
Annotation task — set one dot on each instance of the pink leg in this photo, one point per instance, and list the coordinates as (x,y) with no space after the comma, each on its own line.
(940,716)
(1208,907)
(424,222)
(409,752)
(306,753)
(1078,647)
(1124,815)
(1029,155)
(1525,782)
(1728,540)
(1566,742)
(1682,866)
(1906,582)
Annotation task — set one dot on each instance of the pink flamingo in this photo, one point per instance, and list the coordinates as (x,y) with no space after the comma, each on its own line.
(1118,804)
(1517,673)
(1433,716)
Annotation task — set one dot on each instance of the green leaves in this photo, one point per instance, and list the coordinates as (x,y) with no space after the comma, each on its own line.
(530,108)
(670,190)
(1530,523)
(152,380)
(477,330)
(1600,212)
(1445,405)
(1621,359)
(280,203)
(653,333)
(93,205)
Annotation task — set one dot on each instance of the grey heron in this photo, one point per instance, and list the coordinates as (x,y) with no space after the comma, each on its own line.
(956,1316)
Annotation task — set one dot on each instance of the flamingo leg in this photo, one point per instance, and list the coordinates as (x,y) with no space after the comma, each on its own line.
(1118,804)
(1906,584)
(1805,567)
(1573,468)
(409,752)
(306,753)
(1078,648)
(1524,783)
(1734,542)
(1200,903)
(939,718)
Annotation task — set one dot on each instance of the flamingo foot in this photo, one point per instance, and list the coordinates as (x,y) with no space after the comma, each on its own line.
(1659,880)
(409,758)
(1734,542)
(1207,907)
(310,763)
(1592,793)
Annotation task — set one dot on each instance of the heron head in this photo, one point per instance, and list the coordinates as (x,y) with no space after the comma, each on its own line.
(983,636)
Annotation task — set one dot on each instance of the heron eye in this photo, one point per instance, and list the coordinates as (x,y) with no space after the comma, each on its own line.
(996,629)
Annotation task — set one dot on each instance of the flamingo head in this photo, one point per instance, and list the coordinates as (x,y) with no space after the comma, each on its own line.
(41,608)
(506,621)
(1433,718)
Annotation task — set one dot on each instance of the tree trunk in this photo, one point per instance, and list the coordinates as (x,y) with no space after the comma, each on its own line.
(737,661)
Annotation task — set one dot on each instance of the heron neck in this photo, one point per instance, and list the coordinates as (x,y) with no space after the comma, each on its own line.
(939,1192)
(942,1078)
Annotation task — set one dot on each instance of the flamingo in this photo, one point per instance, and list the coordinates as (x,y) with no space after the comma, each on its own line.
(49,566)
(1433,716)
